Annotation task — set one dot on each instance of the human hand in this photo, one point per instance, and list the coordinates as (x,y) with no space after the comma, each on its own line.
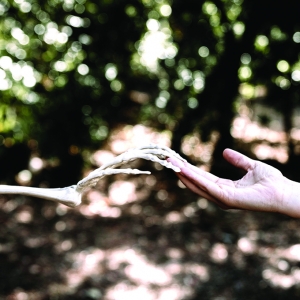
(263,188)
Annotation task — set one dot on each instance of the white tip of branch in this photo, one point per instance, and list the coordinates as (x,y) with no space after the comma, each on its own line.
(175,169)
(92,179)
(150,152)
(71,196)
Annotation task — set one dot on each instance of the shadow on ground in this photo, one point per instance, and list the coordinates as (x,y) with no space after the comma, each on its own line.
(163,244)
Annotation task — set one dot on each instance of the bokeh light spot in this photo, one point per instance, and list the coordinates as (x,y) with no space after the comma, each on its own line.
(203,51)
(83,69)
(283,66)
(166,10)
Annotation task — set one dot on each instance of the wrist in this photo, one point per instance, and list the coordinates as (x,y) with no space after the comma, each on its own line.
(290,203)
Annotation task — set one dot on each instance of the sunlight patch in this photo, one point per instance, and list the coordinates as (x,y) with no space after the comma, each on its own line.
(122,192)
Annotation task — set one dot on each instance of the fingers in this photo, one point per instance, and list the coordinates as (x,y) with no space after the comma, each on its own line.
(235,158)
(189,175)
(239,160)
(218,190)
(255,191)
(197,179)
(191,172)
(194,188)
(186,168)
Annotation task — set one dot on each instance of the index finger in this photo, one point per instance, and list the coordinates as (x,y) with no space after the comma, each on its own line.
(192,172)
(186,168)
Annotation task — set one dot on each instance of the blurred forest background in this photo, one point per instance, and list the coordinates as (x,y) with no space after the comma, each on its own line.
(82,81)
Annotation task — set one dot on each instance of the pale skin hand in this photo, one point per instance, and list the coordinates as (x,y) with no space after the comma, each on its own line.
(263,188)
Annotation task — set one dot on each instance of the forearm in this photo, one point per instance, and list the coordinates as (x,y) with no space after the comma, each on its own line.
(290,203)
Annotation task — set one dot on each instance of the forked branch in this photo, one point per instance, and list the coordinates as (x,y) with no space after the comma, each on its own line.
(71,196)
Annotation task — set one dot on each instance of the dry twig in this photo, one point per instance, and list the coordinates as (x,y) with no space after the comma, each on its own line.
(71,196)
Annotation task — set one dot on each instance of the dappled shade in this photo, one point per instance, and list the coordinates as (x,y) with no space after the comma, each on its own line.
(83,81)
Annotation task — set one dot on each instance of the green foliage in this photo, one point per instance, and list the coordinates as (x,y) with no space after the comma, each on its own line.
(71,70)
(64,61)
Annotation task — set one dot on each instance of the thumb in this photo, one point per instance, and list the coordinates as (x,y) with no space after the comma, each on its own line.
(238,160)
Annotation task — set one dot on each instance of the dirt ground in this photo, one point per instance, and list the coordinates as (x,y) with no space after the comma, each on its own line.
(164,244)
